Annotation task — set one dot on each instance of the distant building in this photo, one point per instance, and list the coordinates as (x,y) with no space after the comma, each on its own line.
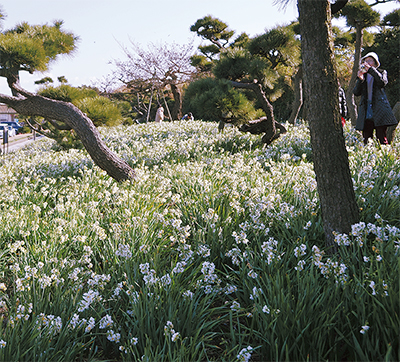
(6,113)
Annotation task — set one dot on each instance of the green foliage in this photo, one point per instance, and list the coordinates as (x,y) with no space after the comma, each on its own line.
(209,51)
(281,99)
(45,80)
(33,47)
(101,110)
(269,59)
(54,40)
(67,93)
(213,29)
(62,79)
(201,62)
(241,41)
(278,46)
(234,64)
(342,39)
(344,53)
(65,139)
(392,19)
(18,50)
(217,32)
(216,100)
(124,107)
(359,14)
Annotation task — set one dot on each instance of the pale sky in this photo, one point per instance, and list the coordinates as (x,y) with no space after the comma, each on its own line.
(102,25)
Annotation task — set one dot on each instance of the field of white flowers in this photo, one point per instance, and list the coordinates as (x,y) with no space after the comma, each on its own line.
(214,253)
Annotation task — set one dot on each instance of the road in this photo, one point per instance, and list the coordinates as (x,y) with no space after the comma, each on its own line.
(16,142)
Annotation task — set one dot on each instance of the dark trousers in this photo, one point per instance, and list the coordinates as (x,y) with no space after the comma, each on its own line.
(368,131)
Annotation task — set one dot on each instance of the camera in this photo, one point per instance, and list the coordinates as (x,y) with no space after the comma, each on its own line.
(363,67)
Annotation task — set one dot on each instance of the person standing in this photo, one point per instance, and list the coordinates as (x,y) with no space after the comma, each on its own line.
(374,111)
(160,114)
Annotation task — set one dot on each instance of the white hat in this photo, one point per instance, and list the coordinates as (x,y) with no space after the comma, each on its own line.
(372,55)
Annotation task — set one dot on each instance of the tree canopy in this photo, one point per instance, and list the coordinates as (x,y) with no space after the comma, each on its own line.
(262,66)
(214,30)
(359,14)
(216,99)
(32,48)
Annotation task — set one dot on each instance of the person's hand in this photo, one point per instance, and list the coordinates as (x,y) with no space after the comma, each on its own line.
(366,66)
(363,69)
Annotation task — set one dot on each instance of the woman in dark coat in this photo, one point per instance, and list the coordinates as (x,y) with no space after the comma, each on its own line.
(374,111)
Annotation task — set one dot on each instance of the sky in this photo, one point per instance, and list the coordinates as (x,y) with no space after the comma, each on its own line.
(103,26)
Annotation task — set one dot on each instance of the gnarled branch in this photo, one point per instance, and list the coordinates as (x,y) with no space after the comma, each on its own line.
(66,113)
(268,124)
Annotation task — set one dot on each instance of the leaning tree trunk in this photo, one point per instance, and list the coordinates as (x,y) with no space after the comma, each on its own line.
(331,165)
(351,103)
(67,113)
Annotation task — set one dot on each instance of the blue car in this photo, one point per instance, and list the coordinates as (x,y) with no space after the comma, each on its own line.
(13,124)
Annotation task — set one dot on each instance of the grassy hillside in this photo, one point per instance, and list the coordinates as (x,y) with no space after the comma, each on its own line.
(214,253)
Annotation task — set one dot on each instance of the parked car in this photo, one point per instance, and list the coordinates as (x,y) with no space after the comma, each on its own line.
(10,129)
(13,124)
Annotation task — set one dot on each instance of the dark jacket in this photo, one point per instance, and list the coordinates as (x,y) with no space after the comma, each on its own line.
(382,112)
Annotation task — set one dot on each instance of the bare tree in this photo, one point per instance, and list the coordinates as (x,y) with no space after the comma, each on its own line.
(163,65)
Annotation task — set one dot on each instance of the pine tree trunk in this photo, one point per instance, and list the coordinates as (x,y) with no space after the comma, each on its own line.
(81,124)
(331,166)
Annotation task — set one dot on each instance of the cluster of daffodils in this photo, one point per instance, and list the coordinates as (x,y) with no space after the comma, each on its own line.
(329,268)
(209,281)
(124,251)
(291,147)
(270,250)
(80,277)
(149,274)
(298,252)
(170,332)
(22,313)
(245,354)
(211,218)
(364,329)
(105,323)
(50,323)
(77,322)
